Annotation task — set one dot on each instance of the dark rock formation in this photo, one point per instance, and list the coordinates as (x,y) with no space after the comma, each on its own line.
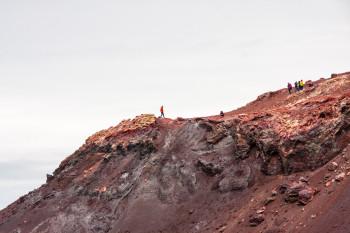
(207,174)
(256,219)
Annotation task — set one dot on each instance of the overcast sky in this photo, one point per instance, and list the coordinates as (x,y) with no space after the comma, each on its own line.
(70,68)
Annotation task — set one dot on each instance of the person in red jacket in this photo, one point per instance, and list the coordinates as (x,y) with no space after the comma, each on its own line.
(162,111)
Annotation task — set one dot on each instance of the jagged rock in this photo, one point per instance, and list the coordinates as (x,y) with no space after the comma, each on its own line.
(142,148)
(299,191)
(306,195)
(269,200)
(222,229)
(152,179)
(120,150)
(266,95)
(340,177)
(205,124)
(274,193)
(332,166)
(327,177)
(292,196)
(344,107)
(283,188)
(180,119)
(209,168)
(304,179)
(328,184)
(217,134)
(261,211)
(272,166)
(241,147)
(49,178)
(238,179)
(107,157)
(256,220)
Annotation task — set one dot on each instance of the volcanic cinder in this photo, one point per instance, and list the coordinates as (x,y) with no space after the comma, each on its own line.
(278,164)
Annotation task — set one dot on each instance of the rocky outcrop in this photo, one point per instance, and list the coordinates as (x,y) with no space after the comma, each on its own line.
(299,192)
(195,175)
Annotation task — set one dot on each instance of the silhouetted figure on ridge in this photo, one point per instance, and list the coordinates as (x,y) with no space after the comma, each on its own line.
(162,111)
(290,87)
(296,85)
(301,85)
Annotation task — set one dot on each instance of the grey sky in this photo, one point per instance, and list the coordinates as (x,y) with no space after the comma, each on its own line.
(70,68)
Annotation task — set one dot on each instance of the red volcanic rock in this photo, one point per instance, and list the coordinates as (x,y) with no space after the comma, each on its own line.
(256,220)
(205,174)
(306,195)
(332,166)
(340,177)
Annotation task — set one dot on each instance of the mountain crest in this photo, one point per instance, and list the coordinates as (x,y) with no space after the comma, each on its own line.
(278,164)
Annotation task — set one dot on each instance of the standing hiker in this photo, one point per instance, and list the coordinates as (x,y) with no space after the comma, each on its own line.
(290,87)
(296,85)
(162,111)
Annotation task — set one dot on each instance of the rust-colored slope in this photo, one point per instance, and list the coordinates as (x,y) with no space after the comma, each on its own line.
(279,164)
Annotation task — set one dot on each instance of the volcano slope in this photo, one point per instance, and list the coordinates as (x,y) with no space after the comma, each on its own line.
(279,164)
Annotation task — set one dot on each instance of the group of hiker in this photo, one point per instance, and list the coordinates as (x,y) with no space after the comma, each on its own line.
(298,85)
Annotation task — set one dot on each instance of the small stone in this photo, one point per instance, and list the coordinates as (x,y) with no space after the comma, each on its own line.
(269,200)
(283,188)
(303,179)
(180,119)
(329,183)
(348,174)
(306,195)
(211,169)
(313,216)
(124,175)
(49,177)
(256,220)
(292,193)
(326,177)
(222,229)
(274,193)
(261,211)
(332,166)
(107,157)
(340,177)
